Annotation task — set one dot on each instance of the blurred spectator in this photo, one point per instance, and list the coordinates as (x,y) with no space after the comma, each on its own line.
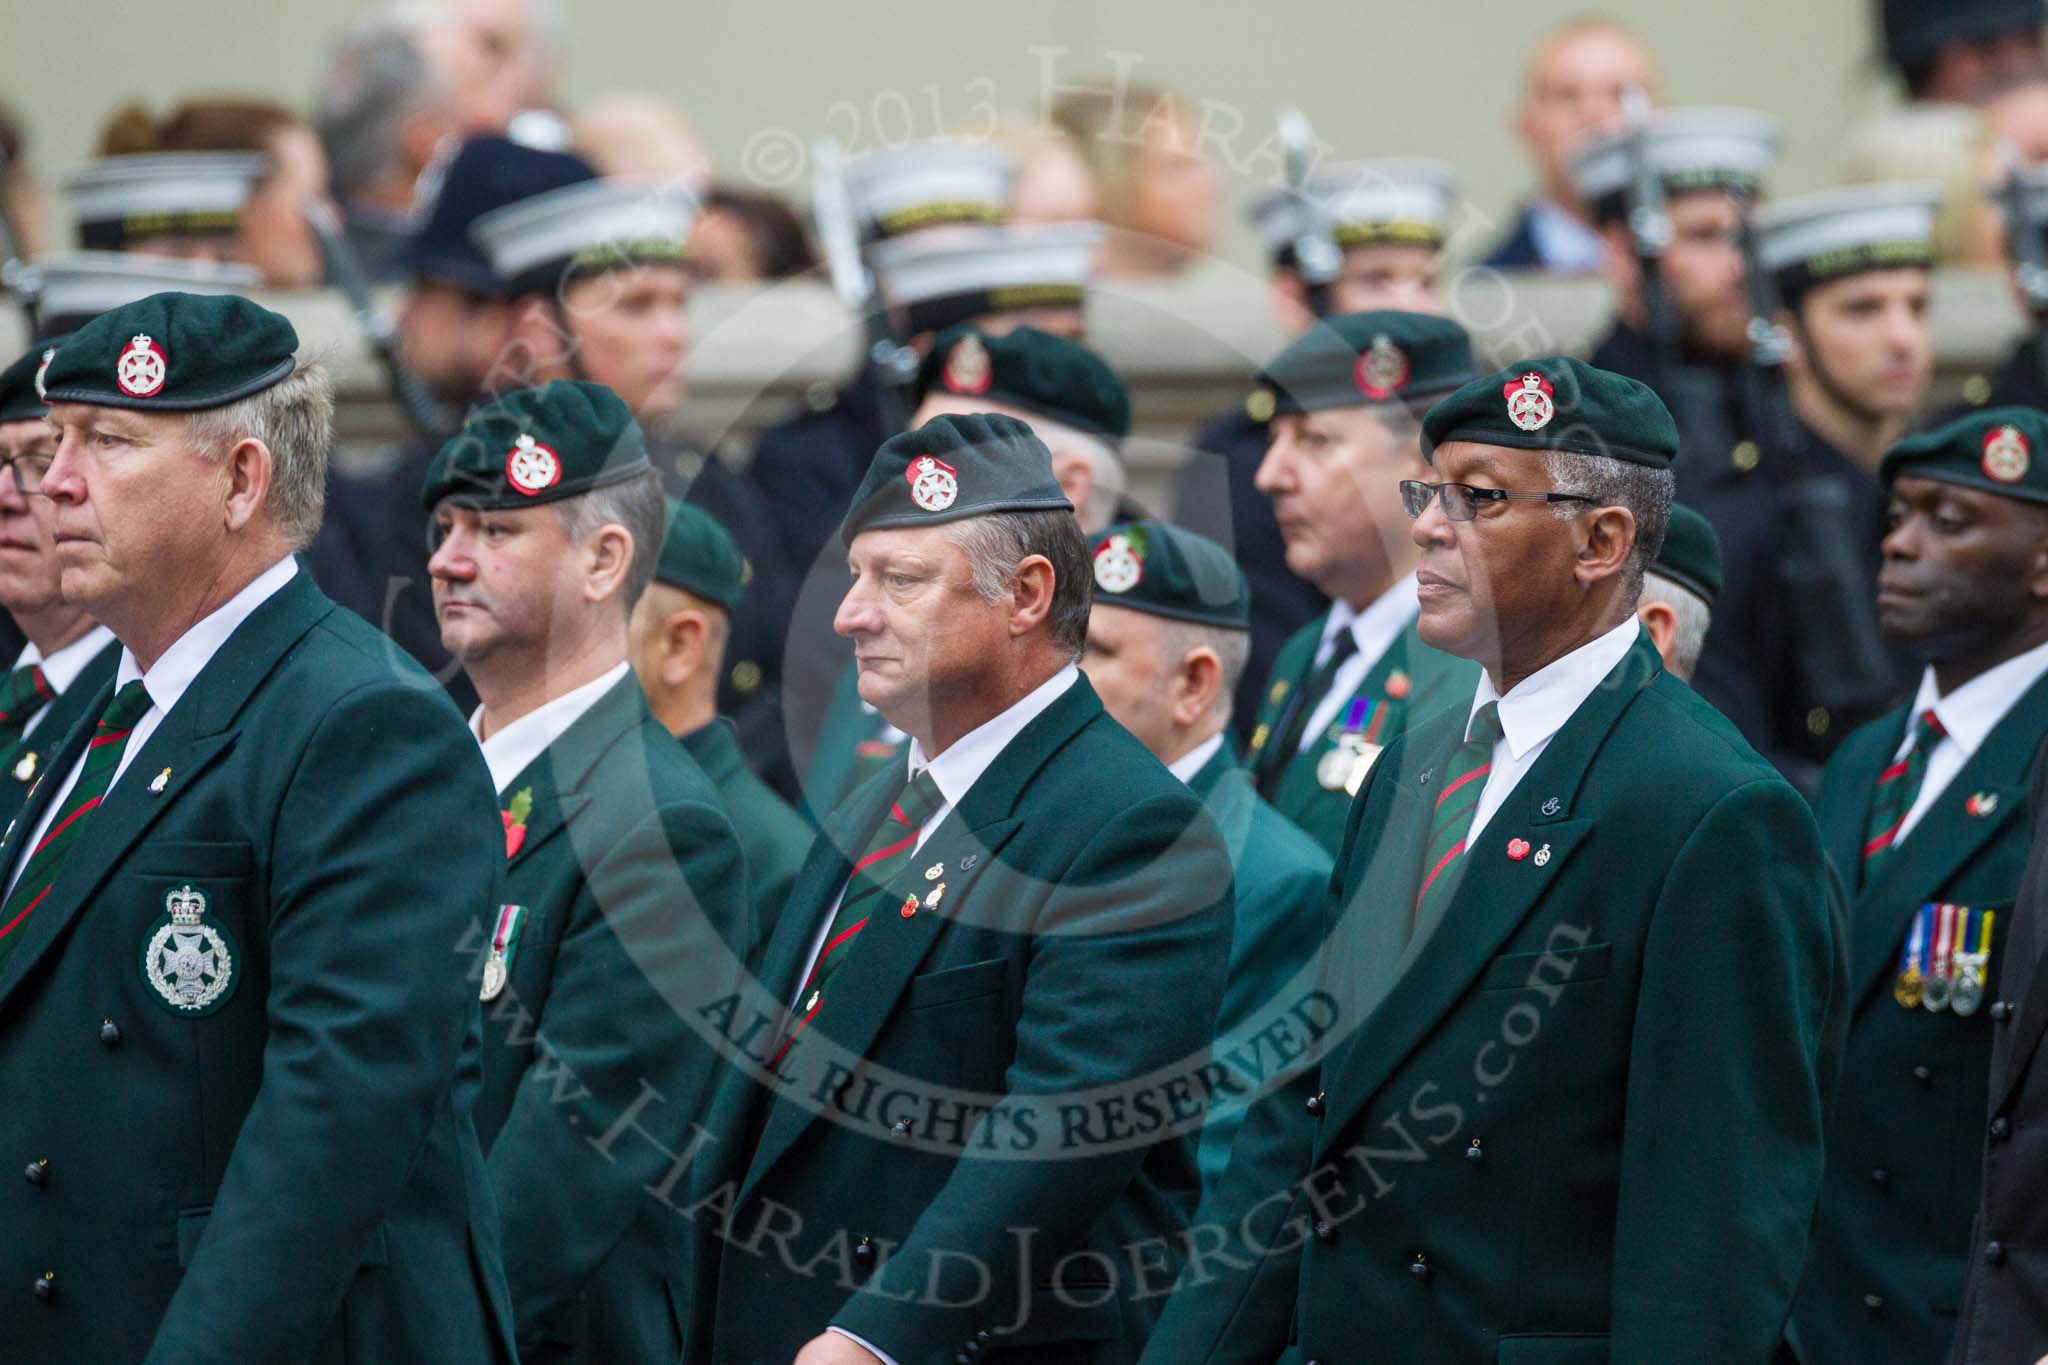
(740,235)
(21,195)
(382,113)
(1574,85)
(1949,145)
(1053,184)
(641,135)
(1960,51)
(497,56)
(2018,113)
(1158,190)
(274,235)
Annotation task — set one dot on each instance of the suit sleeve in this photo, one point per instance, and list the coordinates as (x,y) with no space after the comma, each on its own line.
(376,871)
(664,914)
(1739,1028)
(1124,978)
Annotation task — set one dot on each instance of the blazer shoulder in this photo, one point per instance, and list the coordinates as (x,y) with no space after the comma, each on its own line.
(1697,748)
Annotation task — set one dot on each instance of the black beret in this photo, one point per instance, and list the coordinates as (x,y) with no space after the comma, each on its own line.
(951,468)
(1691,554)
(21,384)
(485,175)
(1164,570)
(1992,449)
(1033,370)
(1557,403)
(173,353)
(699,556)
(538,445)
(1356,359)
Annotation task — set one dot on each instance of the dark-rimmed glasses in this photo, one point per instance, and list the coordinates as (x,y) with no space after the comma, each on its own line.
(1461,500)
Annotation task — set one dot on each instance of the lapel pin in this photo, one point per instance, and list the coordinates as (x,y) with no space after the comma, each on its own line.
(25,770)
(932,897)
(1422,778)
(969,861)
(1398,686)
(909,907)
(157,783)
(934,872)
(1543,855)
(1982,803)
(812,1003)
(1552,806)
(1518,849)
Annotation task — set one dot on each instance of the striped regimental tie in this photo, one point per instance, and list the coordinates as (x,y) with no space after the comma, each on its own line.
(1456,804)
(1893,795)
(25,693)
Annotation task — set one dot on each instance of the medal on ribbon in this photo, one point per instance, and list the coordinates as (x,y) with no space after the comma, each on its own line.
(504,939)
(1941,967)
(1973,965)
(1906,990)
(1356,748)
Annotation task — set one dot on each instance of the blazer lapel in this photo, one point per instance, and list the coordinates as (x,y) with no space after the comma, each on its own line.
(1494,895)
(558,772)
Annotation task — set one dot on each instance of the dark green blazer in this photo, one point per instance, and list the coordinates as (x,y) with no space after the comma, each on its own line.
(292,1175)
(1905,1150)
(1436,681)
(637,910)
(1070,930)
(774,838)
(848,750)
(1583,1125)
(22,762)
(1281,876)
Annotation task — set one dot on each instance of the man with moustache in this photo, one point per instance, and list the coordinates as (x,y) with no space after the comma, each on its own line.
(1597,948)
(1924,813)
(625,895)
(69,656)
(1029,911)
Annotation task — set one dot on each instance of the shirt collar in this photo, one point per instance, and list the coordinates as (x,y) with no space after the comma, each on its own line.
(1538,706)
(1969,713)
(61,669)
(1563,241)
(1194,760)
(961,766)
(177,666)
(1375,629)
(508,752)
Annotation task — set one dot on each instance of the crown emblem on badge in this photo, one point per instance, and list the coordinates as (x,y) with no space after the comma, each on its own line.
(531,467)
(1381,370)
(2006,454)
(141,368)
(1119,564)
(49,354)
(968,367)
(934,484)
(185,905)
(1530,401)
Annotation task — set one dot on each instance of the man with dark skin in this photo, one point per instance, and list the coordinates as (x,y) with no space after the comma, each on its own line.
(1924,812)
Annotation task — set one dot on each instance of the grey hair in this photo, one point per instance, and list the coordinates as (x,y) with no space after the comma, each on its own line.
(1691,615)
(1233,650)
(374,79)
(996,543)
(294,419)
(1609,482)
(1100,513)
(636,506)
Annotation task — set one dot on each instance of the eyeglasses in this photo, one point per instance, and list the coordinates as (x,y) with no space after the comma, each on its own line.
(1461,500)
(29,468)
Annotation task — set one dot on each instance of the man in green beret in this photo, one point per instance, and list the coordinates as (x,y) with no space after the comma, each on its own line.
(68,657)
(1348,398)
(677,642)
(1591,948)
(1924,814)
(1167,637)
(230,903)
(1677,604)
(997,965)
(625,893)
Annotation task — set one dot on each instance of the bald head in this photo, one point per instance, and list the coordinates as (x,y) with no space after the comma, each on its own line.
(1574,85)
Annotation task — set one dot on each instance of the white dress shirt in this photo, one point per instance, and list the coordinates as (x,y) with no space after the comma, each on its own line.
(1967,715)
(1566,245)
(62,668)
(1194,760)
(507,752)
(167,681)
(1537,707)
(1374,630)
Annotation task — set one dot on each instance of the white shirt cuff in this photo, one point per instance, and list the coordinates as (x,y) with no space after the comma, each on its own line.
(877,1352)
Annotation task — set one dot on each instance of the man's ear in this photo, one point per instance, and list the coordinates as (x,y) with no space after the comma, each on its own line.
(1610,539)
(1031,589)
(610,559)
(685,638)
(1662,623)
(1195,685)
(248,468)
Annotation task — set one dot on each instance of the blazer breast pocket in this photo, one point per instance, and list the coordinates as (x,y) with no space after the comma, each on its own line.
(1546,970)
(195,859)
(955,984)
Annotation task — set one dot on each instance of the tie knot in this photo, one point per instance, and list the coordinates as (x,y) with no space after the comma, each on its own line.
(1342,646)
(1485,726)
(128,706)
(1927,730)
(921,797)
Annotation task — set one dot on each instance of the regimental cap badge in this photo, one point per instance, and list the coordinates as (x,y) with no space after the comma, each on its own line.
(968,368)
(1120,563)
(49,354)
(141,368)
(531,467)
(1531,402)
(1382,370)
(188,961)
(934,484)
(2006,454)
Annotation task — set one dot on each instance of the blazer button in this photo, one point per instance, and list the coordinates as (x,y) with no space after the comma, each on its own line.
(46,1286)
(962,1358)
(110,1032)
(1419,1268)
(900,1129)
(1314,1104)
(2001,1010)
(1994,1253)
(37,1171)
(1473,1153)
(2001,1128)
(1873,1301)
(1881,1177)
(1923,1075)
(1325,1231)
(864,1252)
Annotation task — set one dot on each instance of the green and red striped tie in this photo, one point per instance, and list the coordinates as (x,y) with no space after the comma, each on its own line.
(46,859)
(1456,803)
(25,692)
(888,848)
(1893,795)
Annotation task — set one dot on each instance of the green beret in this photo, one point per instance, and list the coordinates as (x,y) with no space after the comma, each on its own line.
(21,386)
(698,556)
(1151,567)
(1032,370)
(1691,554)
(1996,449)
(538,445)
(1359,359)
(1557,403)
(951,468)
(173,353)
